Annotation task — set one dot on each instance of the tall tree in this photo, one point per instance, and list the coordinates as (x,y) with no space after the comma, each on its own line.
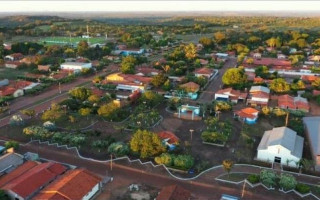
(219,37)
(227,166)
(234,76)
(80,93)
(127,65)
(82,48)
(190,51)
(279,85)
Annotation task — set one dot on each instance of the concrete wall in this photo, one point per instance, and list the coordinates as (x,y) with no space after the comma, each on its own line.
(94,190)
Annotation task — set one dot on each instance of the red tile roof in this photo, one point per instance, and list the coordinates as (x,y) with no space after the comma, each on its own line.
(7,91)
(97,91)
(310,78)
(133,78)
(22,84)
(203,70)
(135,95)
(192,86)
(204,62)
(316,92)
(173,139)
(270,61)
(174,192)
(17,172)
(260,94)
(286,101)
(29,182)
(147,70)
(247,113)
(73,185)
(258,80)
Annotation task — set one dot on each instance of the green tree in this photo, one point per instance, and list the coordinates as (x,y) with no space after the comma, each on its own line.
(316,83)
(94,98)
(3,195)
(151,98)
(164,158)
(127,65)
(80,93)
(146,143)
(167,85)
(82,48)
(53,114)
(190,51)
(206,42)
(262,71)
(219,37)
(227,165)
(29,112)
(158,80)
(108,110)
(287,182)
(234,76)
(279,85)
(183,161)
(119,149)
(85,112)
(12,144)
(299,85)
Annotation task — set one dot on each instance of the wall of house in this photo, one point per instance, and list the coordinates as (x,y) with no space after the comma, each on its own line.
(13,195)
(259,99)
(269,154)
(221,96)
(94,190)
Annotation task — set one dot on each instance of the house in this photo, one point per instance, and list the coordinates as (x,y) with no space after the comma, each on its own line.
(44,68)
(247,115)
(128,81)
(191,88)
(314,58)
(281,145)
(223,56)
(169,139)
(75,66)
(10,161)
(12,64)
(14,57)
(147,71)
(308,78)
(281,56)
(127,52)
(204,71)
(293,103)
(204,62)
(9,90)
(4,82)
(20,170)
(29,183)
(75,184)
(29,59)
(230,94)
(258,96)
(292,50)
(269,62)
(315,92)
(312,128)
(188,112)
(174,192)
(258,80)
(256,55)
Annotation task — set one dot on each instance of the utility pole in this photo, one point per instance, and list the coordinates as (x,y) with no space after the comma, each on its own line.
(88,33)
(191,132)
(287,118)
(111,162)
(243,189)
(59,87)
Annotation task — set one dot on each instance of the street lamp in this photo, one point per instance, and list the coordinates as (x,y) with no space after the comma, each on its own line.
(59,87)
(191,132)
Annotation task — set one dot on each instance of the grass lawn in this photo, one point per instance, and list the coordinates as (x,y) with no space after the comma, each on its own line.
(236,177)
(11,74)
(81,122)
(74,40)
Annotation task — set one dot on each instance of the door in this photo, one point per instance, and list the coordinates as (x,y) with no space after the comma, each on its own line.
(277,159)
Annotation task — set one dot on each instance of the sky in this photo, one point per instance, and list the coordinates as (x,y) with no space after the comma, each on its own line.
(133,6)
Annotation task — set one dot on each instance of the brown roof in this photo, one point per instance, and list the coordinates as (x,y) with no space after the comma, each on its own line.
(17,172)
(203,70)
(193,87)
(247,113)
(73,185)
(174,192)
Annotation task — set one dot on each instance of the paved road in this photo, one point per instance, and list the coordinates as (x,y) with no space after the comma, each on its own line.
(208,94)
(46,98)
(142,174)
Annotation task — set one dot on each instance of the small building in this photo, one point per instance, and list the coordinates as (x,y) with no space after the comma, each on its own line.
(204,62)
(258,96)
(281,56)
(74,184)
(128,81)
(174,192)
(312,127)
(281,145)
(14,57)
(189,112)
(230,94)
(147,71)
(293,103)
(12,64)
(247,115)
(191,88)
(204,71)
(75,66)
(256,55)
(4,82)
(44,68)
(169,139)
(10,161)
(30,182)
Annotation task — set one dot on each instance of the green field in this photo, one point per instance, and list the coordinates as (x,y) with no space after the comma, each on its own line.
(72,40)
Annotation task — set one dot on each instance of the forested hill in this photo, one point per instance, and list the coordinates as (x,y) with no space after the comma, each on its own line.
(26,21)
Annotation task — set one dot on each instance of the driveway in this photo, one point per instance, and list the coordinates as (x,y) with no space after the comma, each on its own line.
(208,94)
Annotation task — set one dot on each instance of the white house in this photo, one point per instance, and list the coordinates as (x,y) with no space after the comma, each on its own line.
(257,55)
(258,95)
(76,66)
(281,145)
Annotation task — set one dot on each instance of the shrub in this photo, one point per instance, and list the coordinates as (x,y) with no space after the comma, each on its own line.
(165,158)
(16,120)
(302,188)
(287,182)
(49,125)
(11,144)
(37,131)
(253,178)
(119,149)
(268,178)
(183,161)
